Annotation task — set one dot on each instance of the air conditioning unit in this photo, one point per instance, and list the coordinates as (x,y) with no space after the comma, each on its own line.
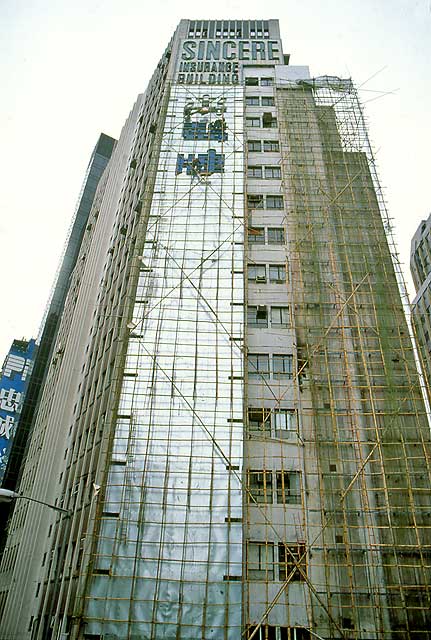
(260,278)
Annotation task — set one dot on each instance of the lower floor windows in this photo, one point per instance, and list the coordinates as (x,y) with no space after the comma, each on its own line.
(260,487)
(258,365)
(276,423)
(291,557)
(269,561)
(270,632)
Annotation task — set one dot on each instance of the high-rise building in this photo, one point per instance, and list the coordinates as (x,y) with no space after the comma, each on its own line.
(420,266)
(233,415)
(50,324)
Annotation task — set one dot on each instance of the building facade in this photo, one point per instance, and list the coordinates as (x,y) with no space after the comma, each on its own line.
(420,266)
(235,419)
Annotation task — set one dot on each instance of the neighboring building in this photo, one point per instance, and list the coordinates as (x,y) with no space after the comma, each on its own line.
(233,413)
(49,328)
(96,166)
(15,374)
(420,265)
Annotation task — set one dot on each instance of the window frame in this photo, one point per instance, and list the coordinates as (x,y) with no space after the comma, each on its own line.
(252,101)
(273,201)
(265,565)
(254,142)
(285,563)
(256,238)
(284,316)
(281,273)
(270,143)
(260,365)
(272,172)
(255,171)
(287,487)
(268,101)
(252,312)
(262,418)
(258,200)
(260,486)
(253,122)
(287,426)
(276,231)
(260,272)
(286,368)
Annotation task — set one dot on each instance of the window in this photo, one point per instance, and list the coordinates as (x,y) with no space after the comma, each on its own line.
(252,122)
(274,202)
(280,317)
(264,632)
(266,82)
(254,172)
(256,273)
(282,365)
(288,487)
(259,485)
(277,273)
(251,82)
(273,172)
(260,561)
(259,422)
(257,316)
(258,365)
(256,235)
(269,121)
(294,633)
(288,554)
(267,101)
(254,145)
(255,201)
(252,101)
(275,235)
(284,422)
(271,145)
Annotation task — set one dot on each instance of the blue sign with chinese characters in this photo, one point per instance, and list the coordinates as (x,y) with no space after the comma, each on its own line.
(203,121)
(202,164)
(13,384)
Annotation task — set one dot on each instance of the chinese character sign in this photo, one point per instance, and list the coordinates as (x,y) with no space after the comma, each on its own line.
(14,379)
(203,121)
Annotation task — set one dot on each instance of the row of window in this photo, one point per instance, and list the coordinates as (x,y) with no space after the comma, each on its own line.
(261,273)
(263,421)
(271,235)
(255,82)
(271,171)
(225,32)
(258,201)
(270,632)
(256,101)
(268,145)
(263,490)
(262,563)
(259,365)
(267,121)
(257,316)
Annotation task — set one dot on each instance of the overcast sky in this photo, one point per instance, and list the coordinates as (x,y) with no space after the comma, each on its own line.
(70,70)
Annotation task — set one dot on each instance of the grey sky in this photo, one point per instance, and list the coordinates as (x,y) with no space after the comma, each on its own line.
(70,70)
